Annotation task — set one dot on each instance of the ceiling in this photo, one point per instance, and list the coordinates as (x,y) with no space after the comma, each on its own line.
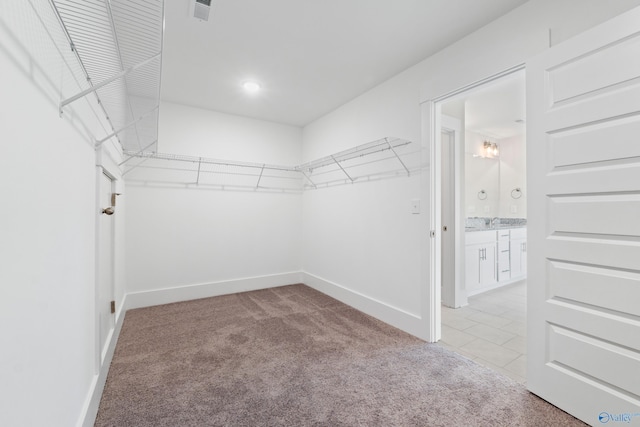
(309,57)
(498,110)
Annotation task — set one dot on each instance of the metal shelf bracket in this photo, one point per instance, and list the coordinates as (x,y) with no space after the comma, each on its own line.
(128,125)
(106,82)
(340,166)
(397,156)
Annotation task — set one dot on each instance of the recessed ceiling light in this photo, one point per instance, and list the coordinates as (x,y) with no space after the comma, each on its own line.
(251,87)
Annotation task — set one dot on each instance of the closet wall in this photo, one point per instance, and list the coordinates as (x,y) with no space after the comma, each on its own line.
(48,214)
(186,241)
(361,243)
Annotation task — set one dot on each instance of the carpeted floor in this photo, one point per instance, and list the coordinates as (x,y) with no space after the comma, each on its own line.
(291,356)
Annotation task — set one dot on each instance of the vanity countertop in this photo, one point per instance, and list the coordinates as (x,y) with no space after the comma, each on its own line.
(496,223)
(497,227)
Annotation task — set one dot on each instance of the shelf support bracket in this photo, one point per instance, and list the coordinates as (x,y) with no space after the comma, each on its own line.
(340,166)
(260,177)
(397,157)
(198,177)
(309,179)
(111,135)
(106,82)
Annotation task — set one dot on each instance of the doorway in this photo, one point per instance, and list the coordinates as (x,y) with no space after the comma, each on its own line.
(483,195)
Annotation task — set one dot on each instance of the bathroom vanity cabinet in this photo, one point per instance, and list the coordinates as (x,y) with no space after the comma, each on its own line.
(494,258)
(480,261)
(518,253)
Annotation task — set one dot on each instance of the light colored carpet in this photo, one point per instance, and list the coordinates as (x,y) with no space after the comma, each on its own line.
(291,356)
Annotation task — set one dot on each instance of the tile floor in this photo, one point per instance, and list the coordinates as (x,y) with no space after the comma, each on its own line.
(491,330)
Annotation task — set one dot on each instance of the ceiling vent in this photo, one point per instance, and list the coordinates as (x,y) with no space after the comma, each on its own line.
(201,9)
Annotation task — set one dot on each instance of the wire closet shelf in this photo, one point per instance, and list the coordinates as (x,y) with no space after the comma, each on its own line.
(118,44)
(375,160)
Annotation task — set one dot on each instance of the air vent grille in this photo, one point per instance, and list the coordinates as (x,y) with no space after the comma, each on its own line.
(201,9)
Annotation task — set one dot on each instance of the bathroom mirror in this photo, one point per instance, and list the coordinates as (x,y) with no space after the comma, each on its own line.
(491,181)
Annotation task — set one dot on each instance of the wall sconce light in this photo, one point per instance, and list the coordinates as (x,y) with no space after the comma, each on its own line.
(491,149)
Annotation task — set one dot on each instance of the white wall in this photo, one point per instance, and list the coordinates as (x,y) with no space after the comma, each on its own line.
(47,227)
(198,132)
(186,241)
(393,109)
(481,174)
(513,174)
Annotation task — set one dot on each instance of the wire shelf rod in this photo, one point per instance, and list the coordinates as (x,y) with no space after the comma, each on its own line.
(293,176)
(106,82)
(204,160)
(145,25)
(72,70)
(89,25)
(122,67)
(132,7)
(131,156)
(352,153)
(202,165)
(321,173)
(65,30)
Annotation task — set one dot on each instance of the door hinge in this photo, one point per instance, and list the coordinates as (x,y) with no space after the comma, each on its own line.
(113,198)
(432,234)
(113,307)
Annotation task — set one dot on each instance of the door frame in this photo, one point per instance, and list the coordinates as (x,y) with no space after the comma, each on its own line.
(454,293)
(432,125)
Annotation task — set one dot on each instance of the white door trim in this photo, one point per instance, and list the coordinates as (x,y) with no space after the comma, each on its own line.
(431,139)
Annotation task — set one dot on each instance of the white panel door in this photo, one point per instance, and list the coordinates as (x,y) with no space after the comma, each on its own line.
(583,152)
(105,266)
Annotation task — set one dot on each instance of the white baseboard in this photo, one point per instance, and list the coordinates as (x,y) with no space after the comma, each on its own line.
(206,290)
(394,316)
(90,409)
